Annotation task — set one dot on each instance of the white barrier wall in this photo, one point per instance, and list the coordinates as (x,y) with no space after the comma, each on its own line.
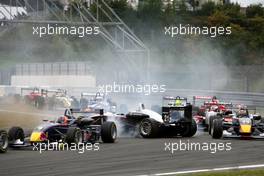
(54,81)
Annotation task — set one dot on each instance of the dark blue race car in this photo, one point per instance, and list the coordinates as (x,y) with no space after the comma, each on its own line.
(75,126)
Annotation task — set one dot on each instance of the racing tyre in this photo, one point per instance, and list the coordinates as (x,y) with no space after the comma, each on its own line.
(73,136)
(210,124)
(16,133)
(212,118)
(149,128)
(108,132)
(3,141)
(191,129)
(217,129)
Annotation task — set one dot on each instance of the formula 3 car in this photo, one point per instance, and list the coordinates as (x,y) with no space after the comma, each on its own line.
(97,100)
(238,125)
(175,120)
(58,98)
(51,98)
(208,111)
(33,96)
(75,126)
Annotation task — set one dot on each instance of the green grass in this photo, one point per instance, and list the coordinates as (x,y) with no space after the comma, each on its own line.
(259,172)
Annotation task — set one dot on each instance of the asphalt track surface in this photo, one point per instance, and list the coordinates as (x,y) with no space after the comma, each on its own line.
(131,156)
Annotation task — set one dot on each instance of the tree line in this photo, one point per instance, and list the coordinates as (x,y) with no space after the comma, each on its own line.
(244,46)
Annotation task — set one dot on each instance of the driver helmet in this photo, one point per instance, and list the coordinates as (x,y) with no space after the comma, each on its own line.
(178,102)
(222,108)
(63,120)
(214,108)
(242,110)
(215,100)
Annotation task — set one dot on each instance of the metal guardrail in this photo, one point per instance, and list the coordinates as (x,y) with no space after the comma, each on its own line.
(247,98)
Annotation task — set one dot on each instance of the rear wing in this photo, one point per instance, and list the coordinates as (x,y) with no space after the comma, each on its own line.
(96,95)
(32,89)
(220,103)
(56,91)
(201,98)
(83,94)
(88,110)
(170,101)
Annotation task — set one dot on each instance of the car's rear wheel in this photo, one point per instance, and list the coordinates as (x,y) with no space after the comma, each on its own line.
(3,141)
(73,136)
(190,130)
(217,129)
(149,128)
(108,132)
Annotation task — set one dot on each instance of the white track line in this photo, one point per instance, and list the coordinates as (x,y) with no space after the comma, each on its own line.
(207,170)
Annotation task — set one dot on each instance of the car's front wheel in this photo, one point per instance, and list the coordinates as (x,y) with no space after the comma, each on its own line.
(16,133)
(73,136)
(108,132)
(217,129)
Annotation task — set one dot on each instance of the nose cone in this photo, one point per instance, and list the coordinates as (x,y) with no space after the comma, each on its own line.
(245,129)
(35,137)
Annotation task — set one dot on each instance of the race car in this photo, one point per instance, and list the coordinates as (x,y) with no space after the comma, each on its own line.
(34,96)
(75,126)
(58,98)
(3,141)
(51,98)
(175,120)
(199,106)
(208,111)
(97,100)
(240,124)
(199,110)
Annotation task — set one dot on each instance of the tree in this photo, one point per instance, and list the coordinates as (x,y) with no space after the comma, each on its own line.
(254,10)
(218,19)
(120,7)
(208,8)
(232,10)
(169,14)
(182,7)
(194,4)
(150,9)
